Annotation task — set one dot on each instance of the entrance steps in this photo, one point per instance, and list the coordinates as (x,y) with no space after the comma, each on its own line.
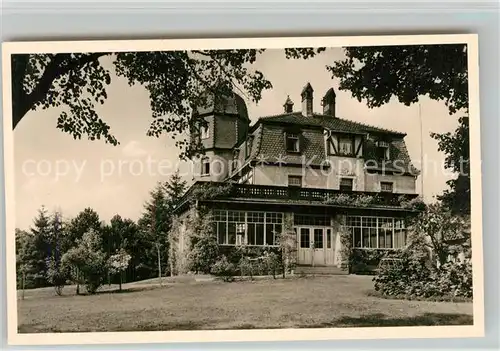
(320,270)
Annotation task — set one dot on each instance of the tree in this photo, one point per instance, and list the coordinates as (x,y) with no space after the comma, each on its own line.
(176,81)
(124,234)
(204,249)
(87,262)
(434,229)
(25,262)
(118,263)
(41,247)
(154,224)
(376,74)
(57,275)
(456,147)
(174,189)
(86,220)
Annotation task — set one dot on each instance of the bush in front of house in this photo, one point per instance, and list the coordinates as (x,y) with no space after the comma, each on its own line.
(268,263)
(224,269)
(203,254)
(455,278)
(366,260)
(405,276)
(414,277)
(424,269)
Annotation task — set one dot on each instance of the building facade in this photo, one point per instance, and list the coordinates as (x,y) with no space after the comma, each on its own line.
(315,172)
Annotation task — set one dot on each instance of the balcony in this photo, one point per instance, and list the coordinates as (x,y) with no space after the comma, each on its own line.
(207,191)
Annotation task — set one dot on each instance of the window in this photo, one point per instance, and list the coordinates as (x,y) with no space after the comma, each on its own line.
(205,132)
(376,232)
(346,184)
(250,228)
(346,146)
(304,237)
(318,238)
(295,181)
(205,166)
(292,142)
(311,219)
(386,187)
(328,238)
(383,151)
(385,233)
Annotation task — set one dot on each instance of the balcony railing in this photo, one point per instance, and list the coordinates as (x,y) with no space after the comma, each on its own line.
(210,191)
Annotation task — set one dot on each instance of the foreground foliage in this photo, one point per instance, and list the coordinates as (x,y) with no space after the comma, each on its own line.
(176,81)
(412,277)
(436,262)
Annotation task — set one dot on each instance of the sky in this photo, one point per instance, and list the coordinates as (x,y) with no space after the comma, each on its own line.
(60,173)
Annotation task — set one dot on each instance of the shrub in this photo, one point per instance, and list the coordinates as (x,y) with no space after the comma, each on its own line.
(416,203)
(346,249)
(269,263)
(57,275)
(204,253)
(365,261)
(287,241)
(455,278)
(247,267)
(118,263)
(224,269)
(273,263)
(87,262)
(435,228)
(413,276)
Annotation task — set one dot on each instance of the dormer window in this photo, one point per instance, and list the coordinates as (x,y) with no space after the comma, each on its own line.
(346,146)
(205,166)
(292,142)
(383,150)
(205,132)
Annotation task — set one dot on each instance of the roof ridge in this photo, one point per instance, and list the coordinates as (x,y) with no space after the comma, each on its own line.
(280,115)
(299,113)
(361,124)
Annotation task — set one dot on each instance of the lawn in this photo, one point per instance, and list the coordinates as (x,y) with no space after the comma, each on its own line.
(334,301)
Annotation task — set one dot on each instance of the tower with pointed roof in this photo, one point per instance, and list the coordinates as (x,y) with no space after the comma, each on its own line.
(227,124)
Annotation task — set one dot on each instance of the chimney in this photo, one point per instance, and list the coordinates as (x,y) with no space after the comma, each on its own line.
(288,106)
(328,103)
(307,100)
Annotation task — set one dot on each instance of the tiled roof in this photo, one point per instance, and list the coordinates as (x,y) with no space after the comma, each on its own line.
(225,105)
(272,147)
(269,141)
(399,156)
(325,121)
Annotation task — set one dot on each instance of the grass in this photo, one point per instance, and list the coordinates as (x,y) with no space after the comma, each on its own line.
(313,302)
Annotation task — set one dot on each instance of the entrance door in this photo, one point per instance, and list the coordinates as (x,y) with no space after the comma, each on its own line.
(312,245)
(318,248)
(304,241)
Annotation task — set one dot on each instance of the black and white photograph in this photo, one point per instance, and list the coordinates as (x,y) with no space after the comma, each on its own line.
(243,189)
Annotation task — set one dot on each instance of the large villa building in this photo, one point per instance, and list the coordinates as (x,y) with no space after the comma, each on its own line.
(319,172)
